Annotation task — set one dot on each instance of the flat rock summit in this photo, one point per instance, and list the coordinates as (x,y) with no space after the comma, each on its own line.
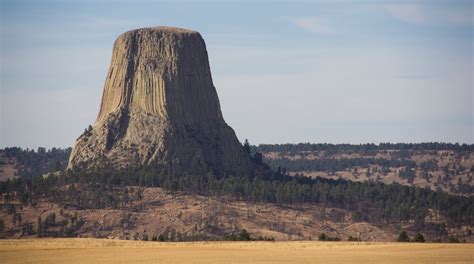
(159,106)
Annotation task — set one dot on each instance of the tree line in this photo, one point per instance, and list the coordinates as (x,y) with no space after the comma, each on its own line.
(333,165)
(369,201)
(362,147)
(32,163)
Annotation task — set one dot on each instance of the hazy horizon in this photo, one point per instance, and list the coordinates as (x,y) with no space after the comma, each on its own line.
(386,71)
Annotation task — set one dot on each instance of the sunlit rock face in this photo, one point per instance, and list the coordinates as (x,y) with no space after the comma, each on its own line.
(159,106)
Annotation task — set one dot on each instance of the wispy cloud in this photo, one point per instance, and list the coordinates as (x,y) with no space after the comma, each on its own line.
(424,14)
(313,24)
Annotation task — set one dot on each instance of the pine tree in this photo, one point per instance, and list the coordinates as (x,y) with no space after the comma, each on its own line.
(322,237)
(419,238)
(247,146)
(403,237)
(244,235)
(40,227)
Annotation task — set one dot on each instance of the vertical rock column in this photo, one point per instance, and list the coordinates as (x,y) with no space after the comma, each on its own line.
(159,106)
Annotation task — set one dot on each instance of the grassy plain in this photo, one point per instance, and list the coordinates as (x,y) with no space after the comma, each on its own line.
(80,250)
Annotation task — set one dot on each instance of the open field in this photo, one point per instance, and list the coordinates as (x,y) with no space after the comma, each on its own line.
(78,250)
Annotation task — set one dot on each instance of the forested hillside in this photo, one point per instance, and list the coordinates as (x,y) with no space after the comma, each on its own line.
(351,182)
(26,163)
(438,166)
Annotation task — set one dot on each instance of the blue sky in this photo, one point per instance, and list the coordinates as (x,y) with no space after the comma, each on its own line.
(286,71)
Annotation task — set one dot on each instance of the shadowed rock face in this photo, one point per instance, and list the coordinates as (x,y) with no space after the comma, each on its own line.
(159,106)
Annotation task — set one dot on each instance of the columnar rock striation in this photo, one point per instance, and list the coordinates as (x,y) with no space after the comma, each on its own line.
(159,106)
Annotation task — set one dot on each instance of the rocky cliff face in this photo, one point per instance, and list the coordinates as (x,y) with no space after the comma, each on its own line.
(159,106)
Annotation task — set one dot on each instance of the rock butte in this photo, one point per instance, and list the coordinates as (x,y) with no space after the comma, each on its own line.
(159,106)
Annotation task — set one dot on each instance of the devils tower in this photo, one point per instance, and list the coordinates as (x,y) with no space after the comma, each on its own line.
(159,106)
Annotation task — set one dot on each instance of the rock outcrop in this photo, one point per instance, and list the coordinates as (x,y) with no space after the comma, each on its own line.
(159,106)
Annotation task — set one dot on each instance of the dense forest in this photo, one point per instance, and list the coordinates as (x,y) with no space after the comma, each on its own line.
(369,201)
(32,163)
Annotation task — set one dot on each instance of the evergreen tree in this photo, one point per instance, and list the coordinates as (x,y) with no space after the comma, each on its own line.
(27,229)
(258,158)
(419,238)
(322,237)
(403,237)
(161,238)
(247,146)
(40,227)
(244,235)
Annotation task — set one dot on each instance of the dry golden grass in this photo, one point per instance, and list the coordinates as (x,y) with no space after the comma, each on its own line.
(114,251)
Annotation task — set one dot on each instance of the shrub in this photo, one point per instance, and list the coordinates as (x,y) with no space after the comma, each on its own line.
(244,235)
(161,238)
(419,238)
(322,237)
(403,237)
(453,240)
(351,238)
